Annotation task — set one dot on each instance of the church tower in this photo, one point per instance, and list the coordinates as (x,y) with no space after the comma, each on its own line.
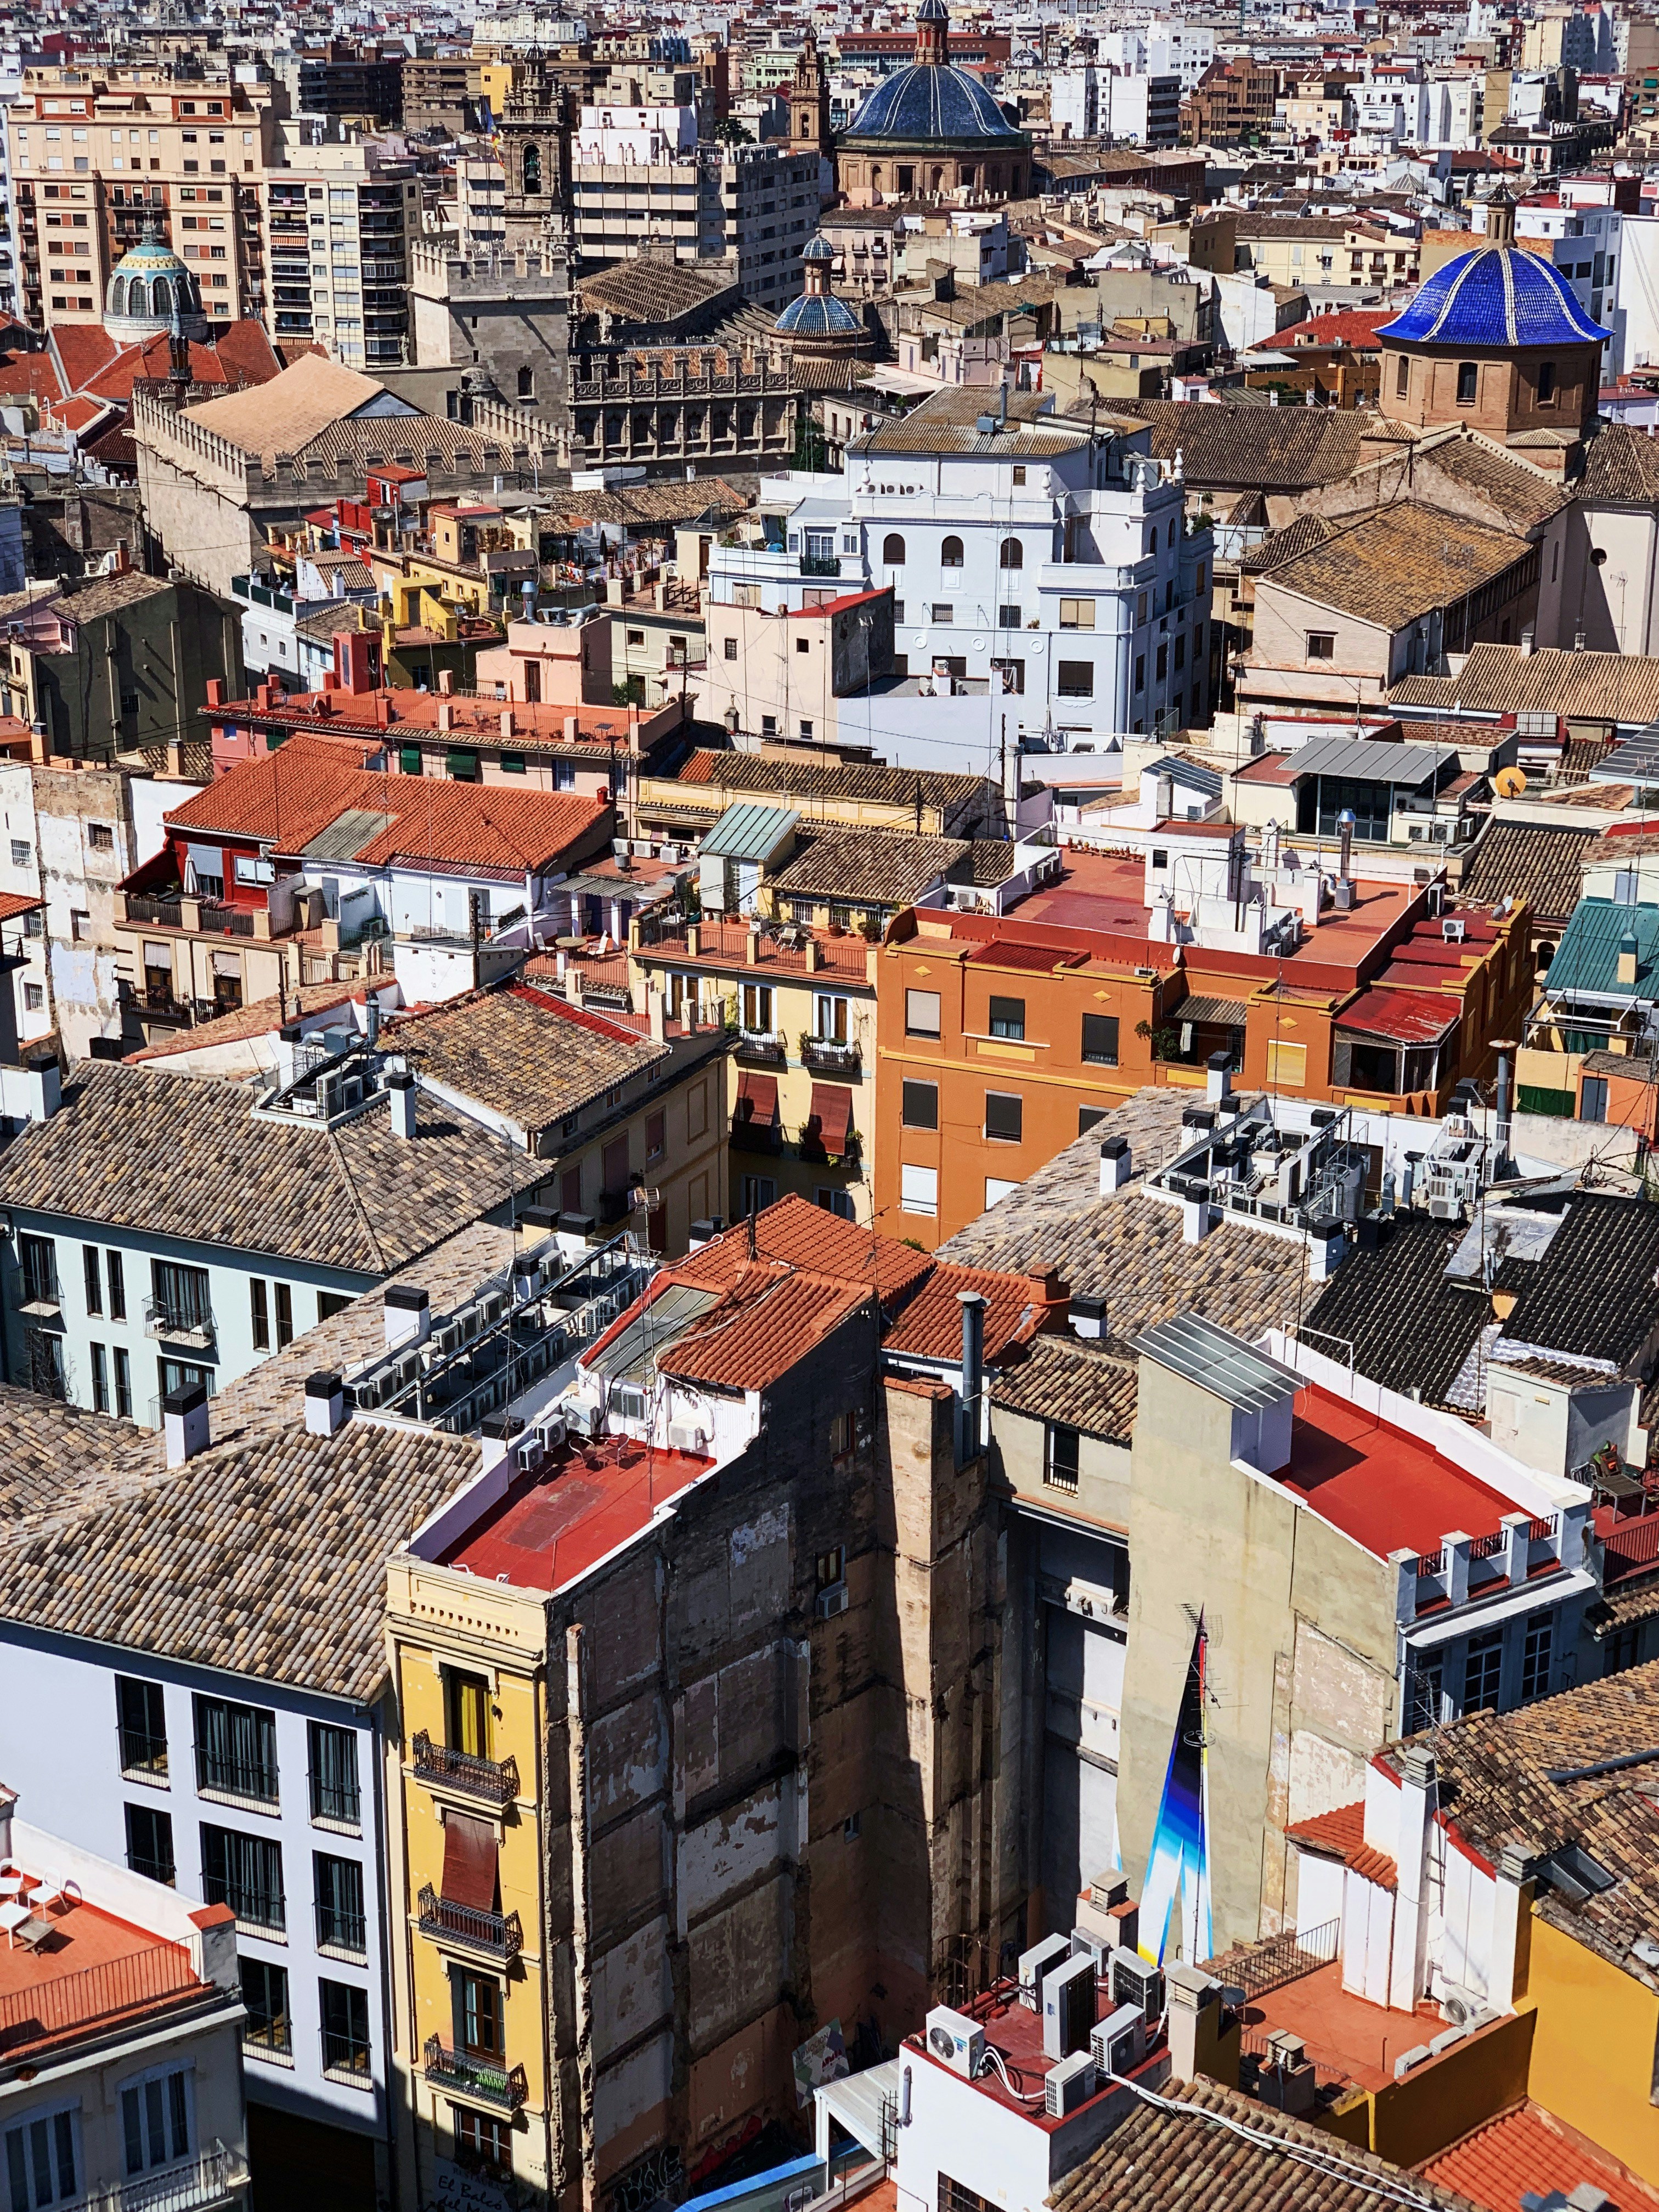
(809,100)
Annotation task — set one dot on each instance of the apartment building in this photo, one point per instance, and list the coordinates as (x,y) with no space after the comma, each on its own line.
(343,213)
(94,154)
(123,2006)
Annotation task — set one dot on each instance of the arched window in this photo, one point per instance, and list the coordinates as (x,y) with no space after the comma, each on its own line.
(1172,536)
(161,296)
(893,549)
(118,296)
(1467,377)
(1547,384)
(1402,381)
(875,178)
(968,177)
(939,180)
(950,554)
(1012,555)
(532,169)
(526,383)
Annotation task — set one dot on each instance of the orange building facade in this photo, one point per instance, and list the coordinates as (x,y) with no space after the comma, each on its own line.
(1000,1040)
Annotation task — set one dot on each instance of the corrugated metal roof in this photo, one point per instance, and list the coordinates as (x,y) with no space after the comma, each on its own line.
(1401,1017)
(346,835)
(1587,958)
(748,832)
(1370,760)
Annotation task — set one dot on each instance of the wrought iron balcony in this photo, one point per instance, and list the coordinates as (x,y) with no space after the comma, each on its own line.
(454,2071)
(828,1057)
(496,1781)
(491,1935)
(186,1323)
(769,1045)
(819,564)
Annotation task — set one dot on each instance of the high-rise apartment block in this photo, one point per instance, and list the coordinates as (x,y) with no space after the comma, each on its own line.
(96,155)
(342,216)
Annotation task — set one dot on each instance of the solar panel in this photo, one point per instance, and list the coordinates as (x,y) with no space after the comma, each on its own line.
(1219,1362)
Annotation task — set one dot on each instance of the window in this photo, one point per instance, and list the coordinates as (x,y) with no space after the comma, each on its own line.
(150,1842)
(40,2160)
(38,1257)
(1468,378)
(100,836)
(840,1434)
(1019,473)
(829,1017)
(345,2031)
(1076,614)
(838,1202)
(140,1724)
(1100,1039)
(483,2143)
(329,1302)
(893,549)
(466,1712)
(236,1750)
(830,1567)
(1288,1066)
(1536,1657)
(156,2120)
(920,1108)
(1321,645)
(919,1190)
(1004,1117)
(480,2030)
(1008,1017)
(268,2030)
(1547,384)
(921,1013)
(123,1385)
(339,1892)
(94,1285)
(1059,1459)
(1076,679)
(1010,554)
(1424,1680)
(284,1316)
(943,612)
(34,923)
(1009,617)
(729,646)
(757,1007)
(34,997)
(180,1296)
(22,852)
(950,554)
(526,383)
(1402,377)
(99,1379)
(656,1135)
(757,1192)
(259,1313)
(335,1796)
(250,868)
(245,1873)
(1483,1670)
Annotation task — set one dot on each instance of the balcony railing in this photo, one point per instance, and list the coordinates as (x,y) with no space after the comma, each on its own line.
(164,913)
(188,1323)
(492,1934)
(39,1287)
(346,2057)
(96,1994)
(819,564)
(1277,1960)
(504,2087)
(211,2178)
(763,1044)
(340,1930)
(496,1781)
(830,1057)
(220,1775)
(144,1756)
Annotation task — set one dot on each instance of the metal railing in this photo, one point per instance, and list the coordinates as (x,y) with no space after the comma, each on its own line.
(1636,1544)
(506,2087)
(495,1935)
(1488,1548)
(255,1906)
(345,2056)
(1431,1563)
(229,1776)
(819,564)
(40,1285)
(1280,1959)
(165,913)
(338,1929)
(208,2178)
(493,1780)
(826,1053)
(167,1317)
(125,1984)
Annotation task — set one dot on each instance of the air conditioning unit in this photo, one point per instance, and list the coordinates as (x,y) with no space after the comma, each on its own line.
(683,1438)
(1041,1959)
(351,1092)
(528,1456)
(1138,1982)
(1099,1949)
(832,1600)
(1068,2007)
(550,1434)
(1068,2085)
(1119,2042)
(955,2041)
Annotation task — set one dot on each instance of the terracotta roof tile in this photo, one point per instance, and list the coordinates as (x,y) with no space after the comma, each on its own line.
(1527,2151)
(522,1053)
(1083,1386)
(1342,1835)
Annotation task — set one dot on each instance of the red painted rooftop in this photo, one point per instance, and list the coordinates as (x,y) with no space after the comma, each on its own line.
(97,1968)
(1380,1485)
(553,1526)
(1015,2033)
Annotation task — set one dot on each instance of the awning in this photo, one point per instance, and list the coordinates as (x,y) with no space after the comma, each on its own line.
(1401,1016)
(469,1850)
(1213,1013)
(831,1117)
(758,1102)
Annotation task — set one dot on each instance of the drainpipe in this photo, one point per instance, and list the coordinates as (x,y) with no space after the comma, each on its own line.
(1503,1125)
(972,1399)
(581,1904)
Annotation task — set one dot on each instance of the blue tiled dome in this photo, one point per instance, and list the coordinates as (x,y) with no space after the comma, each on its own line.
(819,315)
(818,249)
(1495,295)
(932,11)
(928,103)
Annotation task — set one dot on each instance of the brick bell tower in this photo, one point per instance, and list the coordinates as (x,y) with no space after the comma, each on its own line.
(809,100)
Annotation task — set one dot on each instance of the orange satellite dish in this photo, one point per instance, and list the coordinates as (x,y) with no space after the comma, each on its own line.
(1509,782)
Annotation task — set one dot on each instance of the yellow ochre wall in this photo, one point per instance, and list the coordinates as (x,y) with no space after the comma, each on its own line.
(1593,2051)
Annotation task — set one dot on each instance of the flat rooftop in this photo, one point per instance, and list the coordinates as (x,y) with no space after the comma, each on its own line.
(1380,1485)
(1345,2034)
(1016,2034)
(91,1969)
(552,1526)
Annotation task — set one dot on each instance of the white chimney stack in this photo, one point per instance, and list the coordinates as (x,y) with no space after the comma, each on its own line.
(325,1409)
(184,1424)
(400,1089)
(407,1316)
(1115,1164)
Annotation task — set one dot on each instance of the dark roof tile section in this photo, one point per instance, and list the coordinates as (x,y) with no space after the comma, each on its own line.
(1595,1295)
(1241,448)
(803,780)
(183,1156)
(525,1054)
(1400,564)
(1528,860)
(1409,1328)
(885,868)
(1621,467)
(1080,1386)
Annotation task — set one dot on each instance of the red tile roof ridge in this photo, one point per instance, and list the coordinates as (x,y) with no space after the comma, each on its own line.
(1527,2148)
(1341,1833)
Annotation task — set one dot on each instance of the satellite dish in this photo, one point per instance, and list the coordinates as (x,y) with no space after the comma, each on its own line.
(1509,782)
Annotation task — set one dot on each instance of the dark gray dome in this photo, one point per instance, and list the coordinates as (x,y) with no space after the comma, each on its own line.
(928,104)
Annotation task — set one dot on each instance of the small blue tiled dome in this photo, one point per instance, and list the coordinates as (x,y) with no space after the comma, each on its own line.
(928,102)
(819,315)
(818,249)
(1495,295)
(932,11)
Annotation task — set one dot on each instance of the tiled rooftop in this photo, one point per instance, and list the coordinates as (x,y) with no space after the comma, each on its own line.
(92,1969)
(1528,2151)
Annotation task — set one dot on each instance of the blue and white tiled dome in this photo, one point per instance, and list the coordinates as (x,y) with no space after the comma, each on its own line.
(930,102)
(1495,296)
(819,315)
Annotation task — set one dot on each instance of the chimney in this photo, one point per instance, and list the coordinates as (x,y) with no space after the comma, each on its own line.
(971,1400)
(446,714)
(1218,1080)
(510,727)
(372,1018)
(572,728)
(216,1926)
(1050,1298)
(1115,1163)
(216,691)
(185,1423)
(287,1050)
(407,1316)
(1088,1317)
(400,1089)
(446,682)
(326,1406)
